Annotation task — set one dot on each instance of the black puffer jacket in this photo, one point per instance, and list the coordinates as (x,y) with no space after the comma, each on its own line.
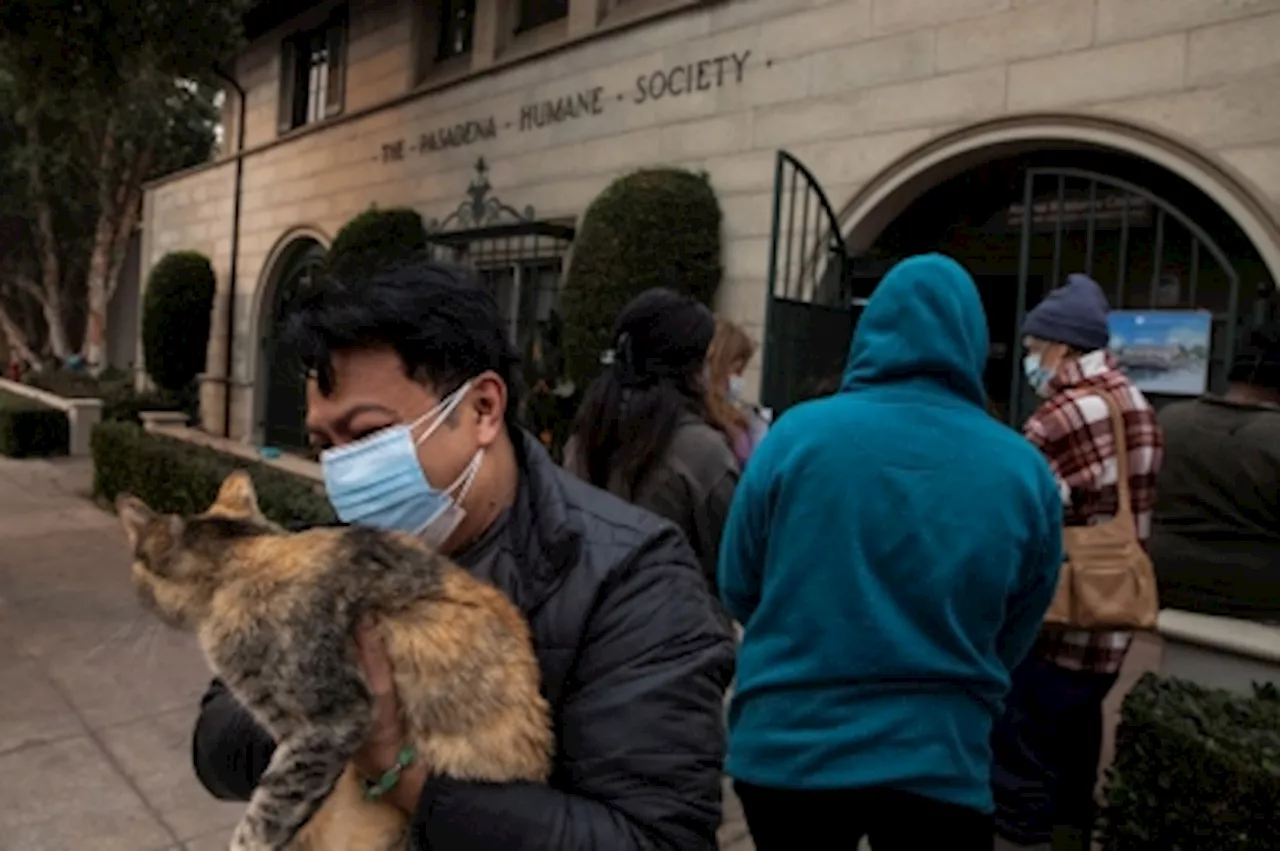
(635,664)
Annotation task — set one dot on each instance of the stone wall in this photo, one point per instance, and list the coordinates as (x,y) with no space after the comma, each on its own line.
(849,86)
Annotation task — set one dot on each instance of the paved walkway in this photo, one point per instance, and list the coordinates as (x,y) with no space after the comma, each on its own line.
(96,699)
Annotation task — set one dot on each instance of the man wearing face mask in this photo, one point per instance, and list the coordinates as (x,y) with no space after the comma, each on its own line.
(1048,743)
(411,394)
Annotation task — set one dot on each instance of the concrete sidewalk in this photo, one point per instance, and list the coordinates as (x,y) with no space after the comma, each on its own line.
(96,699)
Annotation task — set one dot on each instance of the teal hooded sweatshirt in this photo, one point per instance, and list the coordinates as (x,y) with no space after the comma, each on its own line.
(890,551)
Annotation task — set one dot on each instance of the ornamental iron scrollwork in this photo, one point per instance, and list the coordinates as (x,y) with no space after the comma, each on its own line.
(480,209)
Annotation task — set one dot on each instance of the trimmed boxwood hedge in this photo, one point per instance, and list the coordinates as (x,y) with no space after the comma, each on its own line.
(176,315)
(1196,769)
(129,406)
(374,239)
(67,383)
(29,429)
(652,228)
(115,388)
(180,478)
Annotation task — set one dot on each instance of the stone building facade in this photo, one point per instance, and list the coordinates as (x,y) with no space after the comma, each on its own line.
(394,102)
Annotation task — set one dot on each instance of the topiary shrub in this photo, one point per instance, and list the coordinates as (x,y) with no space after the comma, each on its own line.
(115,388)
(1195,768)
(66,383)
(176,312)
(652,228)
(374,239)
(179,478)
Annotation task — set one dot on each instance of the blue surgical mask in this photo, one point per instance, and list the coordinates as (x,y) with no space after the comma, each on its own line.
(379,482)
(737,387)
(1037,374)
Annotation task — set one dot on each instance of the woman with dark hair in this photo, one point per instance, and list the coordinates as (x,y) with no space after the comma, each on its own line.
(642,431)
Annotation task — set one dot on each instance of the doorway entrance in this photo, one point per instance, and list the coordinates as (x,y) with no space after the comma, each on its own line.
(283,411)
(1022,222)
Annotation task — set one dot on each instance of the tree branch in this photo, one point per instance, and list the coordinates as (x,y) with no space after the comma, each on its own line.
(16,338)
(107,167)
(116,223)
(46,236)
(29,287)
(120,243)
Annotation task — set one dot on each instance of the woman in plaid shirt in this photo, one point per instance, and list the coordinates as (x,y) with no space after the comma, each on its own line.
(1048,744)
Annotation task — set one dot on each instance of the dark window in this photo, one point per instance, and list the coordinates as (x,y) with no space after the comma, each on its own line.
(457,23)
(535,13)
(312,65)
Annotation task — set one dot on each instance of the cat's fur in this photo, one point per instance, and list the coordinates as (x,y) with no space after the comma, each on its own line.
(275,612)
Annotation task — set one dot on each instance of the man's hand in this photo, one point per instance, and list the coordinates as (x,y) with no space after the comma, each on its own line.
(388,735)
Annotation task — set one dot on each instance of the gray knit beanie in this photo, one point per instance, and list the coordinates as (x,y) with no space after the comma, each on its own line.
(1075,314)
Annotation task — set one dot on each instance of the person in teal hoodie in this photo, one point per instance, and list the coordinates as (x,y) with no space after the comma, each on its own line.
(890,552)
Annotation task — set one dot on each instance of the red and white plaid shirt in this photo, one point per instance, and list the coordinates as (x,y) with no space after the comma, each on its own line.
(1073,430)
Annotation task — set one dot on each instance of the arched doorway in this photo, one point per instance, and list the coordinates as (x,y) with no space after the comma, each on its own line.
(283,402)
(1152,239)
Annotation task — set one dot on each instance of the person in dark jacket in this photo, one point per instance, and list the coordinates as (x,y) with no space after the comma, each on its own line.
(643,431)
(1215,539)
(411,396)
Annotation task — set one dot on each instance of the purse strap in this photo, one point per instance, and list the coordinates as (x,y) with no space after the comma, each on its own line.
(1120,436)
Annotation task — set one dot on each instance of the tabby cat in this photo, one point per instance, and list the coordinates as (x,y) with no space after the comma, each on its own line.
(275,612)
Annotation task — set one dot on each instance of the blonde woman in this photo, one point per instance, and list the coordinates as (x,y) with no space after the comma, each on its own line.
(743,423)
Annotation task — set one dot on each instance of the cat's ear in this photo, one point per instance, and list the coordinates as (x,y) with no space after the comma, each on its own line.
(135,516)
(237,496)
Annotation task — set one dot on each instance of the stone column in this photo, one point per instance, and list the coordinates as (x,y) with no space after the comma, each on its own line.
(492,25)
(584,16)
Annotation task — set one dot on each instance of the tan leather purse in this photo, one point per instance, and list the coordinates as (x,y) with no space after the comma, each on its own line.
(1107,581)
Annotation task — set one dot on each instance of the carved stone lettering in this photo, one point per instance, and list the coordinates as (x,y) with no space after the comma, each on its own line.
(565,108)
(393,151)
(458,135)
(702,75)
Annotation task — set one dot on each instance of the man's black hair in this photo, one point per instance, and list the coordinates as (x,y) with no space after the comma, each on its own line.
(1258,361)
(441,321)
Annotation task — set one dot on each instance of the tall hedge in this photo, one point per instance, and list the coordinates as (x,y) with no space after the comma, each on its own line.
(376,238)
(176,313)
(179,478)
(653,228)
(1195,769)
(29,429)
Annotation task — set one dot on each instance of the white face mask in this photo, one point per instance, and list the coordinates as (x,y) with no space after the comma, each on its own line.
(1038,375)
(379,482)
(737,387)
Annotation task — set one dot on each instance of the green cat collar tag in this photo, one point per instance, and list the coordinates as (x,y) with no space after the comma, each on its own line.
(390,777)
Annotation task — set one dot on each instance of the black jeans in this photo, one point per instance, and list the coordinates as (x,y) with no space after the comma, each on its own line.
(787,819)
(1046,750)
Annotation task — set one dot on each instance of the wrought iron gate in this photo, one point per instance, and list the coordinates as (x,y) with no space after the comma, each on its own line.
(814,298)
(1144,251)
(521,259)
